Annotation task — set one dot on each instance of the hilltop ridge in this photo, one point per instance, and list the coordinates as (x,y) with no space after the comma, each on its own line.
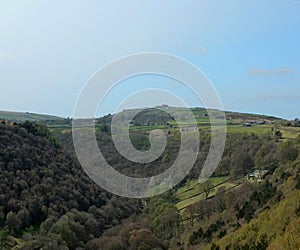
(27,116)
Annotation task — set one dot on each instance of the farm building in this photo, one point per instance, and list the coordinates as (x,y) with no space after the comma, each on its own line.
(257,175)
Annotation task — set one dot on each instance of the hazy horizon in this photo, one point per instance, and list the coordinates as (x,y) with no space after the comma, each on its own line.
(253,113)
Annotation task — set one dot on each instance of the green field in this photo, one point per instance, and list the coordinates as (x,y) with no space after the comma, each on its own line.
(26,116)
(192,193)
(290,132)
(265,129)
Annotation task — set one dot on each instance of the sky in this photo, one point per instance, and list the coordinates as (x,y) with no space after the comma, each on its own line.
(248,49)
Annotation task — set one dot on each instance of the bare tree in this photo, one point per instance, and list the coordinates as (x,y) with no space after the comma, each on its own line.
(207,187)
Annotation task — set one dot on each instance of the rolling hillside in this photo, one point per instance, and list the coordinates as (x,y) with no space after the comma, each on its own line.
(26,116)
(47,201)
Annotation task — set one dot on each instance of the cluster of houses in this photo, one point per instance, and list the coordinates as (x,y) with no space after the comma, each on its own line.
(257,175)
(250,124)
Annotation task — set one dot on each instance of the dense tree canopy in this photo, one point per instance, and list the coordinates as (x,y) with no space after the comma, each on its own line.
(43,188)
(47,201)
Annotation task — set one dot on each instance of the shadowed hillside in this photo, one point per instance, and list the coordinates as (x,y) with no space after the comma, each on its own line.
(46,200)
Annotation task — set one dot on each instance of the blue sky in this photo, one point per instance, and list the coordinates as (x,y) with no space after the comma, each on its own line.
(248,49)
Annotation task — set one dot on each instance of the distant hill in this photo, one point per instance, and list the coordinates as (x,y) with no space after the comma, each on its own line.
(26,116)
(148,116)
(157,115)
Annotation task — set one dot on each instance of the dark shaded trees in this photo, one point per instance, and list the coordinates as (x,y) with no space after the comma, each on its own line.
(288,151)
(44,193)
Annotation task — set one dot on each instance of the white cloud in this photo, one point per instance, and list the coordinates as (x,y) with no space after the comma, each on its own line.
(280,98)
(270,72)
(200,50)
(6,56)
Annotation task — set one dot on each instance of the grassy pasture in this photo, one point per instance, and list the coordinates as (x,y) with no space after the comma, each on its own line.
(26,116)
(290,132)
(192,193)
